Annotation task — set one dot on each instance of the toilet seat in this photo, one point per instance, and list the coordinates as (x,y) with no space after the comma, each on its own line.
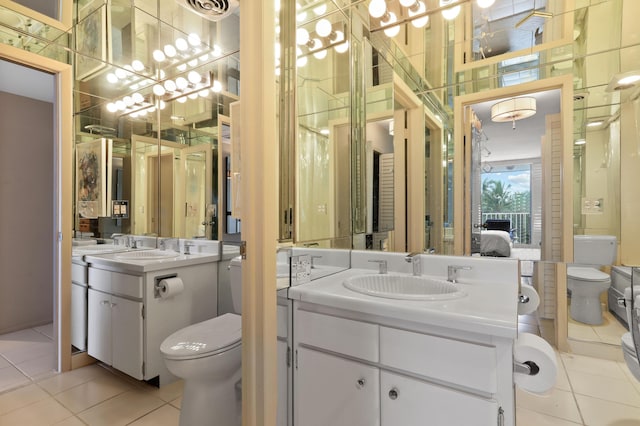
(204,339)
(587,274)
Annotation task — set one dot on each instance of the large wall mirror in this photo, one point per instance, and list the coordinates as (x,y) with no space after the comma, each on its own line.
(154,88)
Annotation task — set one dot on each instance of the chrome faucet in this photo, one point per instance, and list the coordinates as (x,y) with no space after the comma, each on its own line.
(382,265)
(414,259)
(312,261)
(133,243)
(452,272)
(164,242)
(187,247)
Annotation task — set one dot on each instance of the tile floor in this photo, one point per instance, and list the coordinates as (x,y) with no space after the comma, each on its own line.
(610,331)
(588,392)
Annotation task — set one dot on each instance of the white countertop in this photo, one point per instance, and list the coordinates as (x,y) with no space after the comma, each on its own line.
(490,309)
(113,262)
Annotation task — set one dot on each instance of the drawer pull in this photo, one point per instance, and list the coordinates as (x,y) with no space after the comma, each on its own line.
(105,302)
(393,394)
(360,383)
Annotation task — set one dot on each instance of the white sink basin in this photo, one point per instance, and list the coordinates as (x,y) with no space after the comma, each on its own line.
(147,255)
(407,287)
(96,249)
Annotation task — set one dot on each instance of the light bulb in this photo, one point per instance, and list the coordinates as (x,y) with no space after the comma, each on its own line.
(204,58)
(193,95)
(194,77)
(301,62)
(182,99)
(300,17)
(151,109)
(217,51)
(170,86)
(112,78)
(277,49)
(192,63)
(343,47)
(216,87)
(158,90)
(163,104)
(137,65)
(391,31)
(169,50)
(182,83)
(128,101)
(483,4)
(203,93)
(320,54)
(134,86)
(120,73)
(181,44)
(419,22)
(111,107)
(277,71)
(377,8)
(137,98)
(302,36)
(134,115)
(407,3)
(142,113)
(194,39)
(162,75)
(323,27)
(320,10)
(181,67)
(451,13)
(158,55)
(120,105)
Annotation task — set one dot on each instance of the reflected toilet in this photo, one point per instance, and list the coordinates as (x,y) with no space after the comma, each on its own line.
(207,356)
(584,278)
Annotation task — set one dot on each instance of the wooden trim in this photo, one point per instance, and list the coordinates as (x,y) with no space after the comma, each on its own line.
(63,139)
(63,23)
(258,105)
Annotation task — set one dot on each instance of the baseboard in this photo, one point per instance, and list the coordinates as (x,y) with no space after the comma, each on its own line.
(81,359)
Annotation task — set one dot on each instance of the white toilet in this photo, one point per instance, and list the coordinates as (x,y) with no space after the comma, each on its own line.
(207,356)
(628,346)
(584,278)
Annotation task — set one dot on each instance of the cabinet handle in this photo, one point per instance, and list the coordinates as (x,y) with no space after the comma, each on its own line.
(114,304)
(104,302)
(393,394)
(360,383)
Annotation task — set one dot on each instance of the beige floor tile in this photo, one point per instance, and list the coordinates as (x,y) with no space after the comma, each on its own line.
(598,412)
(595,366)
(71,421)
(177,403)
(607,388)
(562,381)
(92,393)
(20,338)
(525,417)
(21,397)
(634,381)
(121,410)
(29,351)
(11,378)
(557,403)
(47,330)
(62,382)
(45,412)
(4,362)
(582,332)
(38,366)
(168,392)
(166,415)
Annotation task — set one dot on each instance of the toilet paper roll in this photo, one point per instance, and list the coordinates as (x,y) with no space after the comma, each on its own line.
(536,352)
(169,287)
(533,300)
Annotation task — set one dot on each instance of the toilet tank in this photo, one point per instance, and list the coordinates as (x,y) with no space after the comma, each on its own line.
(236,283)
(594,249)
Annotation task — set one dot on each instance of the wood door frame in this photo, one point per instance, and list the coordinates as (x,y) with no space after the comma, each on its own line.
(63,184)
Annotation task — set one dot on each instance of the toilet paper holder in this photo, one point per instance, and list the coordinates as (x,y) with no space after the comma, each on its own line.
(529,368)
(156,285)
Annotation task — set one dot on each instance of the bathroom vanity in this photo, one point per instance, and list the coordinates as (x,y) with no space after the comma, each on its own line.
(366,360)
(128,316)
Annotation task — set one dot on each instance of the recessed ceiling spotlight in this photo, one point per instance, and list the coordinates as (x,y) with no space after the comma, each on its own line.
(623,81)
(580,142)
(595,123)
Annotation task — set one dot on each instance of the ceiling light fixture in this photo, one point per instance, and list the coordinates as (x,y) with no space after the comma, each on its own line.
(513,109)
(450,13)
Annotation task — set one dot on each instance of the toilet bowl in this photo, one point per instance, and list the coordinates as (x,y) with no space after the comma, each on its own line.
(207,356)
(586,285)
(584,279)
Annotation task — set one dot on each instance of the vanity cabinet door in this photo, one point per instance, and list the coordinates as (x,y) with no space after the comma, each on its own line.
(330,390)
(79,316)
(99,326)
(282,417)
(411,402)
(126,330)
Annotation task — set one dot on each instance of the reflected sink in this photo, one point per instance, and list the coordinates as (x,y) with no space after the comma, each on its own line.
(96,249)
(147,255)
(407,287)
